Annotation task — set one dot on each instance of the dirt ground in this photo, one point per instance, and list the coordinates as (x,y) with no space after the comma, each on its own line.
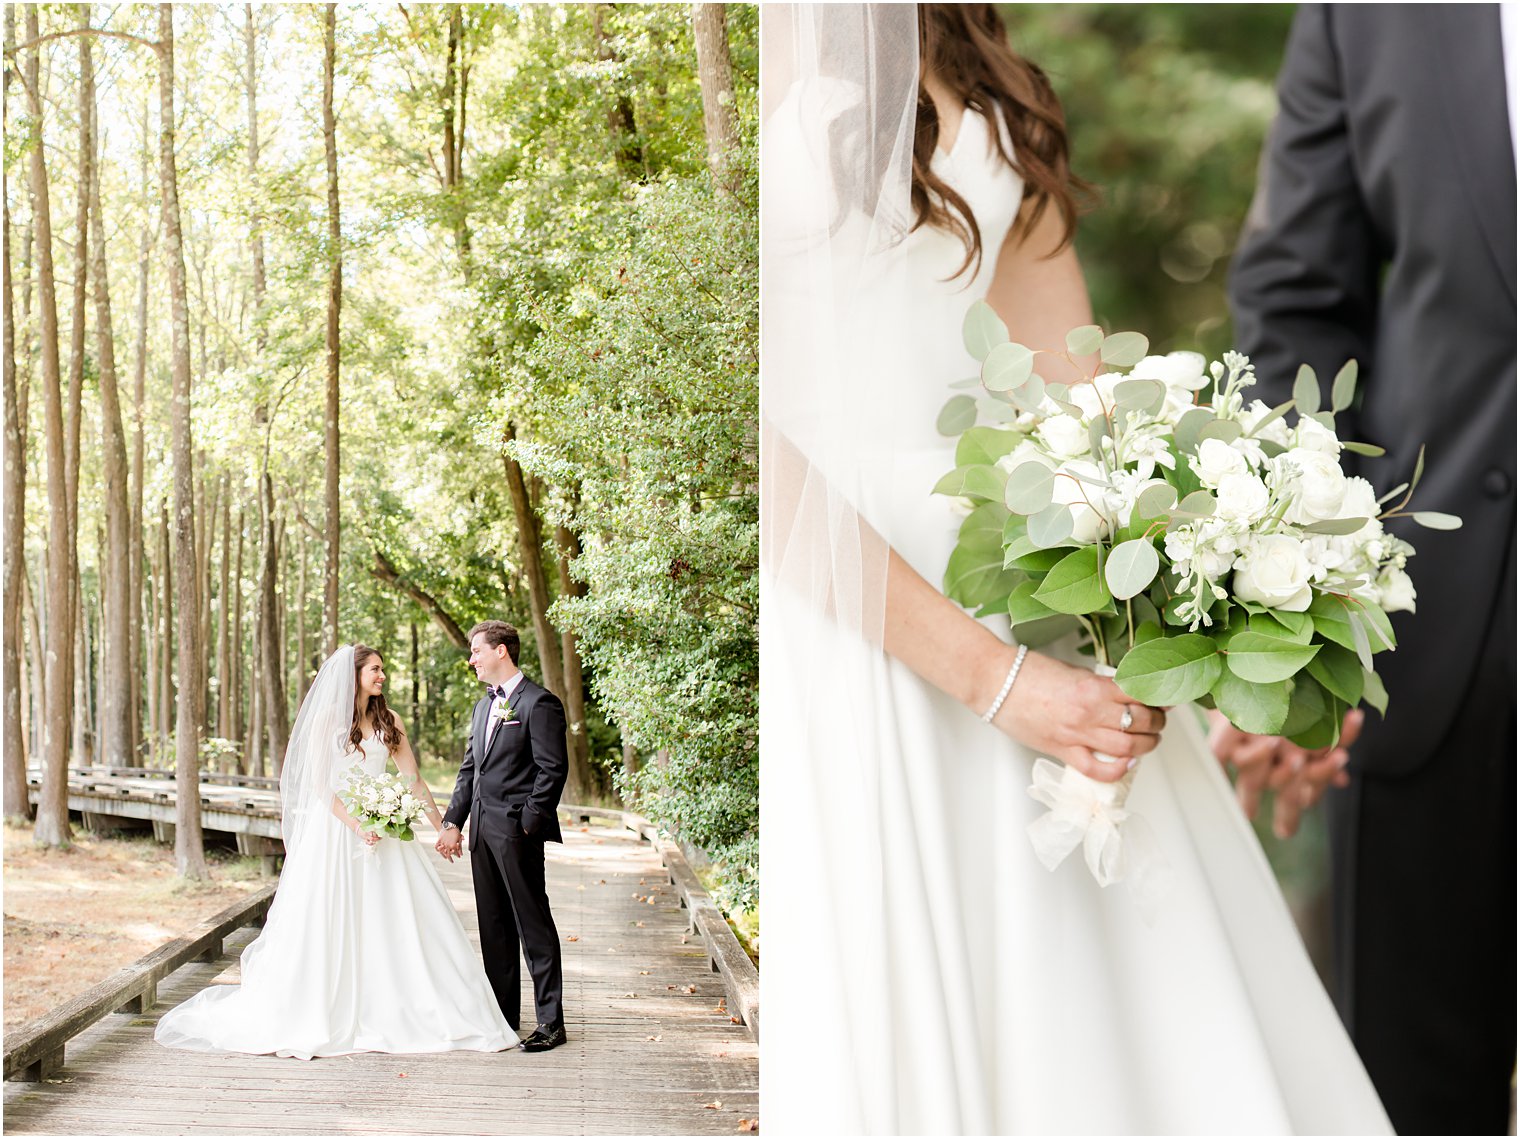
(72,918)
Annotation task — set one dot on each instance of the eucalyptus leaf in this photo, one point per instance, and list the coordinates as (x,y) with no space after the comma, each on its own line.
(1061,393)
(958,414)
(1337,526)
(1225,430)
(1084,341)
(1131,566)
(1030,394)
(983,330)
(1419,469)
(1155,500)
(1199,504)
(1369,449)
(1434,520)
(1124,349)
(1394,493)
(979,481)
(1050,527)
(1029,488)
(1343,388)
(985,445)
(970,383)
(1007,366)
(1325,419)
(1140,395)
(1170,670)
(1306,390)
(1097,431)
(1275,414)
(1359,640)
(1190,427)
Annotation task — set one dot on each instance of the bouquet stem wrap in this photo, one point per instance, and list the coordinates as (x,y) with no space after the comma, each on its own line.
(1117,845)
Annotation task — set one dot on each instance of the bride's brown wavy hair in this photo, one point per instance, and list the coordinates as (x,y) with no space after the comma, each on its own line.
(966,47)
(379,712)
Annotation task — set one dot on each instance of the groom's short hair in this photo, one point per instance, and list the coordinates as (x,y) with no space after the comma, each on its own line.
(499,633)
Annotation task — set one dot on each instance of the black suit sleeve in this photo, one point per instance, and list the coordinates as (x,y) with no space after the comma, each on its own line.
(546,733)
(464,786)
(1305,282)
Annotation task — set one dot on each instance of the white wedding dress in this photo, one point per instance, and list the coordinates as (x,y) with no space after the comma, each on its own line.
(927,974)
(362,952)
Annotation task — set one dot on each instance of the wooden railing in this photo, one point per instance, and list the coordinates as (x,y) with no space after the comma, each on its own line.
(34,1051)
(741,980)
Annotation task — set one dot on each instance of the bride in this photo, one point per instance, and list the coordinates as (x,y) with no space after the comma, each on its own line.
(950,983)
(362,950)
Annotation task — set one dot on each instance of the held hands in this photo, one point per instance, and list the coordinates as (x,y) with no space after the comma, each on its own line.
(449,844)
(1273,763)
(1073,715)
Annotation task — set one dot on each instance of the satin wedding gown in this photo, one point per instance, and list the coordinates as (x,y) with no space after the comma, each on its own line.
(362,952)
(951,984)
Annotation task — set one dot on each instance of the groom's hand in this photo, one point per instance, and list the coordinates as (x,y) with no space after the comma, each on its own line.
(1273,763)
(449,843)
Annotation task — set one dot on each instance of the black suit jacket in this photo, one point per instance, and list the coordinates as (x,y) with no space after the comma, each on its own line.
(1384,230)
(511,783)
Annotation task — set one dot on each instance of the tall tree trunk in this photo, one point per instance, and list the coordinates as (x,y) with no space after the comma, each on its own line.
(189,855)
(334,307)
(255,228)
(205,531)
(239,657)
(715,74)
(166,592)
(270,656)
(151,643)
(303,662)
(575,689)
(36,667)
(116,746)
(79,313)
(79,747)
(416,720)
(15,747)
(53,804)
(141,667)
(532,551)
(223,621)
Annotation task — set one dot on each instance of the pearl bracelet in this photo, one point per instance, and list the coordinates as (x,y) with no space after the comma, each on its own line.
(1013,672)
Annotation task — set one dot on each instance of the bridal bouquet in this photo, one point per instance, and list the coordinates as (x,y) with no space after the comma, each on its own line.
(382,804)
(1207,549)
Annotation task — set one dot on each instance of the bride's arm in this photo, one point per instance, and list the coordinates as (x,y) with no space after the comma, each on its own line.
(406,763)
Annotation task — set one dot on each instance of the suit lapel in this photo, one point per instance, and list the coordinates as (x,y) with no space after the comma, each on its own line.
(518,702)
(478,730)
(1472,85)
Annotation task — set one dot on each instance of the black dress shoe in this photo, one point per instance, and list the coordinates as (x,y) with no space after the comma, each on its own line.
(544,1037)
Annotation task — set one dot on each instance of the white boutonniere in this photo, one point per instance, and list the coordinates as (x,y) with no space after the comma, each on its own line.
(503,715)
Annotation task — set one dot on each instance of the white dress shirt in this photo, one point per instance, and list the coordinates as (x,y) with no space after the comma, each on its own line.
(505,698)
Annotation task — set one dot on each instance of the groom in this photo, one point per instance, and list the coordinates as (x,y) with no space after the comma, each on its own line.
(1384,230)
(514,769)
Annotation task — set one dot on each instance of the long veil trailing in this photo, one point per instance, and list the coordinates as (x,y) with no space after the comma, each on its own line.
(313,756)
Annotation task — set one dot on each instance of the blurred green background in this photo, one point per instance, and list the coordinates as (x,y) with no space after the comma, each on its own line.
(1168,106)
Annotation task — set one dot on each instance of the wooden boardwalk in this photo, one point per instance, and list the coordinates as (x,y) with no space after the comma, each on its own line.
(652,1049)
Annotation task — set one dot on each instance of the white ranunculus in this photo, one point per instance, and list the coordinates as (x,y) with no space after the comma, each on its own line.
(1275,432)
(1318,488)
(1027,451)
(1063,436)
(1360,501)
(1315,436)
(1396,592)
(1216,459)
(1087,524)
(1274,572)
(1242,495)
(1185,370)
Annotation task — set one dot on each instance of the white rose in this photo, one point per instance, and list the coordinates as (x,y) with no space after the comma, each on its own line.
(1396,592)
(1242,495)
(1319,489)
(1274,572)
(1027,451)
(1087,525)
(1215,460)
(1063,436)
(1275,432)
(1187,370)
(1315,436)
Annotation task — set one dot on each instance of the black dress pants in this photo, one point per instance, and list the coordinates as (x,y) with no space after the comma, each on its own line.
(514,915)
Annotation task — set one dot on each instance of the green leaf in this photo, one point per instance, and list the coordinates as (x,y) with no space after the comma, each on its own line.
(983,330)
(1030,394)
(1343,389)
(1371,449)
(1075,584)
(1373,691)
(1339,671)
(1033,559)
(956,416)
(1140,395)
(1419,469)
(1038,633)
(1272,416)
(1332,615)
(1024,606)
(1189,428)
(1006,367)
(1225,430)
(1124,349)
(975,577)
(1299,626)
(1337,526)
(1029,488)
(1097,431)
(1325,419)
(1155,500)
(1252,707)
(1435,520)
(1379,625)
(977,482)
(1131,567)
(1264,659)
(1359,639)
(1324,732)
(1084,341)
(1308,706)
(1170,670)
(985,445)
(1051,527)
(1148,631)
(1199,504)
(1394,493)
(1306,390)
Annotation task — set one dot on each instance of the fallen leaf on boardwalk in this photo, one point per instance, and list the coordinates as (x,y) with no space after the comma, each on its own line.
(721,1002)
(584,830)
(751,1125)
(685,937)
(650,900)
(690,989)
(573,937)
(714,1106)
(735,1020)
(641,882)
(639,924)
(670,988)
(401,1075)
(645,972)
(720,1010)
(601,881)
(634,995)
(656,1039)
(582,886)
